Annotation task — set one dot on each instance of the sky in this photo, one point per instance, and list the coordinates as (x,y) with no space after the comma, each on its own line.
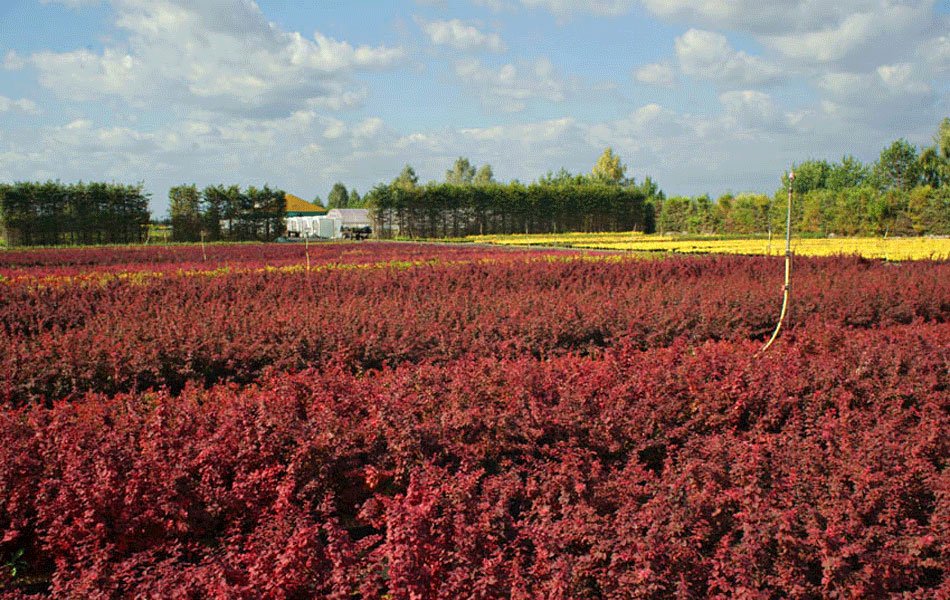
(709,96)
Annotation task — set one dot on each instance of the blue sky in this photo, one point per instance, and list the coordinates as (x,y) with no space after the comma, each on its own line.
(704,96)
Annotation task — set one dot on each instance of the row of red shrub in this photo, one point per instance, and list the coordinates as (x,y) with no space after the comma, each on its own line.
(70,262)
(695,470)
(121,336)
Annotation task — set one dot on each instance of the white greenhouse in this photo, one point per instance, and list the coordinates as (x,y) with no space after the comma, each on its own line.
(315,227)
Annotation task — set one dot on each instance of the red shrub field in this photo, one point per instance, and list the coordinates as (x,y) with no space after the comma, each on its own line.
(80,263)
(469,423)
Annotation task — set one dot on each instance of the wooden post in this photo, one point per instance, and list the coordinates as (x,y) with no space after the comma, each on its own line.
(307,246)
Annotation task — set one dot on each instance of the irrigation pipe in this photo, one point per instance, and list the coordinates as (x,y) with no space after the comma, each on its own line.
(788,267)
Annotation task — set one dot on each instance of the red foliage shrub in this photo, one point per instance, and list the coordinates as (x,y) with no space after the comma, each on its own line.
(75,262)
(694,470)
(507,428)
(64,341)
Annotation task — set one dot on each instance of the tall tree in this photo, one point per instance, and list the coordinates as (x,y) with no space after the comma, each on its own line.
(407,178)
(214,206)
(934,168)
(338,197)
(608,168)
(185,212)
(943,138)
(898,167)
(810,175)
(461,173)
(563,177)
(848,173)
(233,200)
(484,176)
(651,189)
(935,161)
(354,200)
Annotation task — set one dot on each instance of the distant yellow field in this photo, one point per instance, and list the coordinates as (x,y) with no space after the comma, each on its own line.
(912,248)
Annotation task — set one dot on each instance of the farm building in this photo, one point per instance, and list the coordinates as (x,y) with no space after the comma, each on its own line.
(305,219)
(321,227)
(352,218)
(298,207)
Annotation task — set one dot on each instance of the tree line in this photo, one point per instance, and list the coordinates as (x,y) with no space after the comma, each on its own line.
(219,213)
(339,197)
(470,202)
(54,213)
(906,191)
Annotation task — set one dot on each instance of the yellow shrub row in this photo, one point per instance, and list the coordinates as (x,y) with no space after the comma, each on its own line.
(890,249)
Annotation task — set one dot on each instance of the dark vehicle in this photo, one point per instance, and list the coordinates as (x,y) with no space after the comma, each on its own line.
(357,233)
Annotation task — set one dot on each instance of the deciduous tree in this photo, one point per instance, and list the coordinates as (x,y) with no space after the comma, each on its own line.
(461,173)
(484,176)
(898,166)
(608,168)
(407,178)
(848,173)
(810,175)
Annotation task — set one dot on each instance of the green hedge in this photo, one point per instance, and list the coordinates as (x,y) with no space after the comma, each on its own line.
(849,212)
(446,210)
(54,213)
(226,213)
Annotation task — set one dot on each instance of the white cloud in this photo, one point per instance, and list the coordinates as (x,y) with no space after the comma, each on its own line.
(13,61)
(656,74)
(751,109)
(644,129)
(23,105)
(894,94)
(857,35)
(509,88)
(756,17)
(460,36)
(867,63)
(861,32)
(83,75)
(529,134)
(936,53)
(83,133)
(708,55)
(341,99)
(370,127)
(566,8)
(334,130)
(217,54)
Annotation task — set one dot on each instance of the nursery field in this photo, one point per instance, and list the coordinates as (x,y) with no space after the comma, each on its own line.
(56,266)
(907,248)
(384,420)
